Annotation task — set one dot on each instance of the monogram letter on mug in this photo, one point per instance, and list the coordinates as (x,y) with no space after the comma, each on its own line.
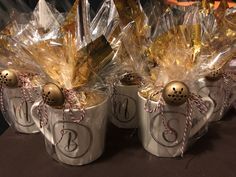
(18,97)
(73,135)
(169,117)
(124,102)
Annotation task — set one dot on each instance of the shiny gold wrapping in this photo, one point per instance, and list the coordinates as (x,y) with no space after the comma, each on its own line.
(130,10)
(181,55)
(91,98)
(226,22)
(70,21)
(67,66)
(176,49)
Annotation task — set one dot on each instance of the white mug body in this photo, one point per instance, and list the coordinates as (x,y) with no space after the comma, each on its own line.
(123,110)
(154,136)
(18,110)
(74,143)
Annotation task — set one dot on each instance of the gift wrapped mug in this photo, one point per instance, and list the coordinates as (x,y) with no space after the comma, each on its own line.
(74,142)
(219,88)
(165,129)
(17,101)
(124,102)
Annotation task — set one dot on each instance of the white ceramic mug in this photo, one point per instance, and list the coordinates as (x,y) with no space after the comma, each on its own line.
(123,112)
(18,110)
(154,137)
(74,143)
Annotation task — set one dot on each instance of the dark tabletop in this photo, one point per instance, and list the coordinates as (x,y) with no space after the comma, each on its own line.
(212,156)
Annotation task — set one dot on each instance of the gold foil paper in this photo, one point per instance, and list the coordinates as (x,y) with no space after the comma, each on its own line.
(220,11)
(28,28)
(8,30)
(229,25)
(90,98)
(77,23)
(207,6)
(130,10)
(69,67)
(180,55)
(177,47)
(225,22)
(70,22)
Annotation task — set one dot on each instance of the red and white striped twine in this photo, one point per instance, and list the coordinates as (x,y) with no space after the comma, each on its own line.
(199,103)
(70,95)
(114,94)
(43,114)
(26,86)
(158,108)
(227,82)
(188,125)
(195,99)
(1,99)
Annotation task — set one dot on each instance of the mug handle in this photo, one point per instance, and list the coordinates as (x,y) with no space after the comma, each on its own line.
(47,134)
(206,118)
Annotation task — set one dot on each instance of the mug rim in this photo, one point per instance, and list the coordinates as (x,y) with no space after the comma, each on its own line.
(145,99)
(86,108)
(119,84)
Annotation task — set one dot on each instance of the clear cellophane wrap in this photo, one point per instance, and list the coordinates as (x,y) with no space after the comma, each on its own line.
(196,31)
(178,48)
(41,24)
(24,30)
(133,21)
(75,53)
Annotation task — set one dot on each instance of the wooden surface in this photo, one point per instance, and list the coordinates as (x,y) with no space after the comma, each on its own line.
(212,156)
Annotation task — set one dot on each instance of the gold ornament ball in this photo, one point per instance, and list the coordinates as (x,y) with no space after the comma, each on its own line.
(175,93)
(53,95)
(214,75)
(8,78)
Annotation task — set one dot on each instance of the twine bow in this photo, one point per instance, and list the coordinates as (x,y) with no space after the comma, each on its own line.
(42,114)
(2,107)
(69,104)
(72,104)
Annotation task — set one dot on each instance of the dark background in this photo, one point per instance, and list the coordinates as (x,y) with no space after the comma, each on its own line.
(6,6)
